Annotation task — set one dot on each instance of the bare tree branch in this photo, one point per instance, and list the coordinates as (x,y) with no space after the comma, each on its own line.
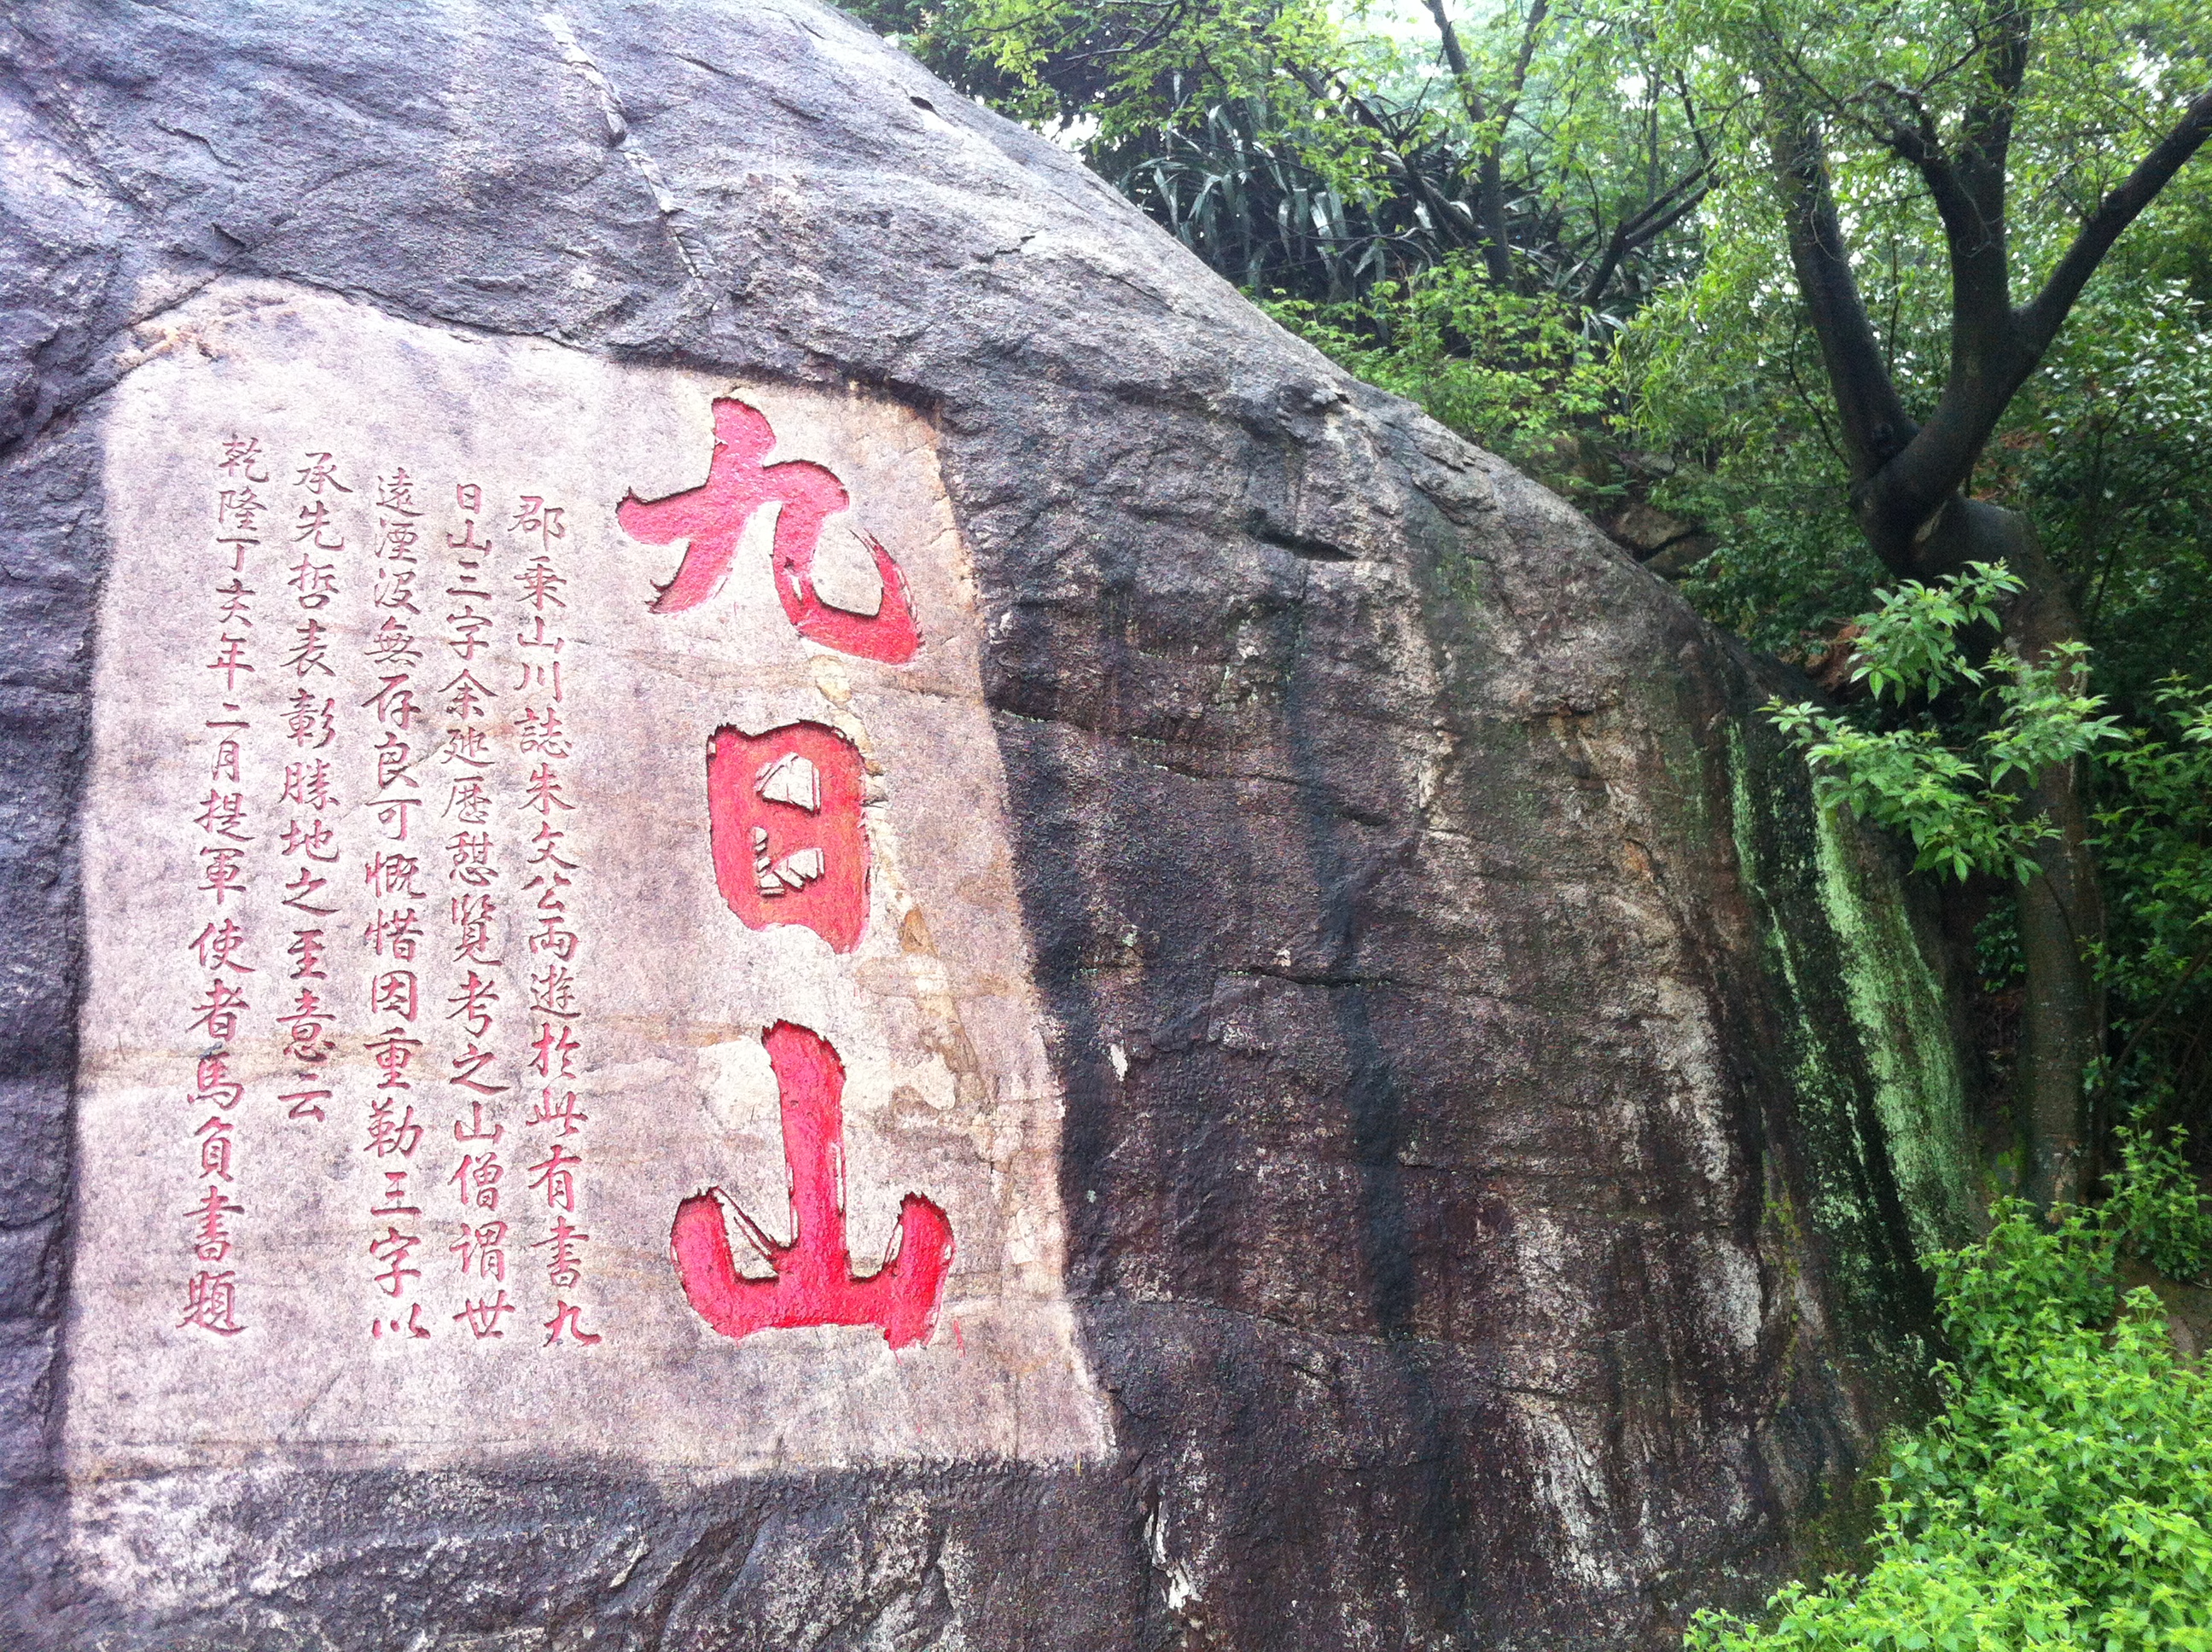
(1993,356)
(1643,226)
(2040,320)
(1490,129)
(1875,424)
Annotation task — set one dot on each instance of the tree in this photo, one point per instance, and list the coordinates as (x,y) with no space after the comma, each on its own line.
(2097,108)
(1309,156)
(1807,230)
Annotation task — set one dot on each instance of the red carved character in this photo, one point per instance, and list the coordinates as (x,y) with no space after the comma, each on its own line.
(784,812)
(712,518)
(484,1316)
(211,1303)
(570,1318)
(814,1282)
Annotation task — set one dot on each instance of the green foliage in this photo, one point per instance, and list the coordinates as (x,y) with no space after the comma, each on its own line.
(2155,839)
(1954,791)
(2025,1285)
(2063,1498)
(2154,833)
(1132,77)
(1133,67)
(1308,148)
(1235,190)
(2110,446)
(2156,1203)
(1512,372)
(1910,645)
(1997,957)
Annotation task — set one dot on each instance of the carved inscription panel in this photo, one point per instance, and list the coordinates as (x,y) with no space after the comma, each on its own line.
(555,977)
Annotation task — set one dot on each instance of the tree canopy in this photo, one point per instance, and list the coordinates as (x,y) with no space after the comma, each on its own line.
(1799,301)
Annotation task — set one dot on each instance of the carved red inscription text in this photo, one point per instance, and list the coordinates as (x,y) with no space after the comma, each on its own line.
(784,814)
(712,517)
(814,1282)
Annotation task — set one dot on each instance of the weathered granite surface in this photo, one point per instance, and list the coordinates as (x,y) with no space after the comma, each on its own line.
(1499,1120)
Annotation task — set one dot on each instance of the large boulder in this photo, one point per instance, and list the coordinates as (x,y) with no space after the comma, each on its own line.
(1409,1128)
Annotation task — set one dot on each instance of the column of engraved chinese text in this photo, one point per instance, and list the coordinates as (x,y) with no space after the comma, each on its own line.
(308,793)
(393,937)
(470,862)
(550,872)
(211,1293)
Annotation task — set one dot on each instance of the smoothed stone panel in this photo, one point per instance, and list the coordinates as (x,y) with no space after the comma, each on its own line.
(456,913)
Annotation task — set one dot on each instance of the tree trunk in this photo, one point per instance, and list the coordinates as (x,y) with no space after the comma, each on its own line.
(2061,909)
(1490,172)
(1497,250)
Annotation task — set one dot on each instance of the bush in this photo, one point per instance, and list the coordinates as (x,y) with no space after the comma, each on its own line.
(1516,374)
(2064,1496)
(2156,1204)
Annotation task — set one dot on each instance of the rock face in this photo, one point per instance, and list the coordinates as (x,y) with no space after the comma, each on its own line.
(1438,1132)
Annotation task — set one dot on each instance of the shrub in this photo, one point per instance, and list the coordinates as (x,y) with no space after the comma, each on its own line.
(2156,1204)
(2064,1496)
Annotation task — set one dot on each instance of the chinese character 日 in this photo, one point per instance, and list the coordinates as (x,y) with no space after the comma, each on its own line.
(786,853)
